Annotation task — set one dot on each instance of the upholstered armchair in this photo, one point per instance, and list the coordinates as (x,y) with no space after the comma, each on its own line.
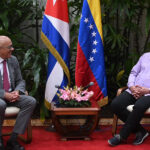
(130,108)
(12,112)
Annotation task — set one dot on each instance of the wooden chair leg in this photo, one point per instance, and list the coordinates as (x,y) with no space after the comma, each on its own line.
(25,138)
(28,135)
(114,125)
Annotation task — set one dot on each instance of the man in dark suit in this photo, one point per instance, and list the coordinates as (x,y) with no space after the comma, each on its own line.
(12,92)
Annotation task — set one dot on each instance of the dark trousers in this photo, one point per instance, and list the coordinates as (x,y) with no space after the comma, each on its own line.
(131,119)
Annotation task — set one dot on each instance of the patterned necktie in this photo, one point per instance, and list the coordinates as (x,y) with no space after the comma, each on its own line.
(6,84)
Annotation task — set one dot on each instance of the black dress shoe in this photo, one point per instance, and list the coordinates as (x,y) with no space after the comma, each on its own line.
(1,144)
(140,137)
(14,145)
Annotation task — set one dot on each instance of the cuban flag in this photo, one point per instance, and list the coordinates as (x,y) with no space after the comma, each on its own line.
(90,65)
(55,35)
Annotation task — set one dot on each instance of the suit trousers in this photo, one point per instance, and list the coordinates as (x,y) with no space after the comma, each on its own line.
(26,105)
(131,119)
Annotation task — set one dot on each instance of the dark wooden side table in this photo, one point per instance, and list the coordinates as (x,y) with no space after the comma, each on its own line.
(68,131)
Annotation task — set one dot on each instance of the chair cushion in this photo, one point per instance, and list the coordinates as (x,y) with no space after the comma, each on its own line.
(11,111)
(130,108)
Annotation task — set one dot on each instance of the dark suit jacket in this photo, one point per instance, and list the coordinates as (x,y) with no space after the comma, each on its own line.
(16,81)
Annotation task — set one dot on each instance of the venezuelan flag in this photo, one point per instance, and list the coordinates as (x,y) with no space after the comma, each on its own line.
(90,66)
(55,35)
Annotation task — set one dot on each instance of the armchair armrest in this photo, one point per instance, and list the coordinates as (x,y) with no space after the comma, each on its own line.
(120,90)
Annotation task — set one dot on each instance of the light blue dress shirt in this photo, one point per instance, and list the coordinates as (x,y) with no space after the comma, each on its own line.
(140,73)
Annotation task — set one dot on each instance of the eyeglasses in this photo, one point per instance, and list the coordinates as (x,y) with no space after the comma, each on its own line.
(8,47)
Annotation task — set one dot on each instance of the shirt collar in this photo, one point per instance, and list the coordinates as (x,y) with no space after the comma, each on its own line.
(1,60)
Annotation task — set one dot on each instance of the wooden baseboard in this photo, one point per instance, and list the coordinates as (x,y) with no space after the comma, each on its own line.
(38,122)
(109,121)
(34,122)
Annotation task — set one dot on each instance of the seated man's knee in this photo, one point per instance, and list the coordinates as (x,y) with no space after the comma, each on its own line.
(32,101)
(29,102)
(114,104)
